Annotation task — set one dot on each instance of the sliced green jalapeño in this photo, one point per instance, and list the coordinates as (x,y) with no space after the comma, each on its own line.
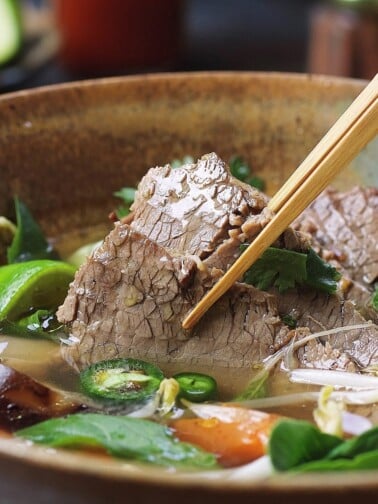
(196,387)
(121,380)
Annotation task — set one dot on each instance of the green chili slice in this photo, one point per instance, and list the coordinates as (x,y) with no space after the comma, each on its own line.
(196,387)
(121,380)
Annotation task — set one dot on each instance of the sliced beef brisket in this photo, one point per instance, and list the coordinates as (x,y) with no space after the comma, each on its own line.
(351,350)
(192,209)
(344,227)
(131,296)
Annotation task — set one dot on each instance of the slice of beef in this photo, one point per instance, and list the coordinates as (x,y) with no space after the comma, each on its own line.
(351,350)
(191,209)
(344,227)
(199,207)
(131,296)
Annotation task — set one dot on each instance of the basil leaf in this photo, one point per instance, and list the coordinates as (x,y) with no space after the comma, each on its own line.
(120,436)
(366,442)
(363,461)
(29,242)
(295,442)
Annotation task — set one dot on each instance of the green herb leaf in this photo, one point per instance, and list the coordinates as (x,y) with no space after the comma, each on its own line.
(29,242)
(41,324)
(256,388)
(321,275)
(368,441)
(257,182)
(127,195)
(241,170)
(364,461)
(278,267)
(285,268)
(289,321)
(300,446)
(120,436)
(296,442)
(374,299)
(177,163)
(44,324)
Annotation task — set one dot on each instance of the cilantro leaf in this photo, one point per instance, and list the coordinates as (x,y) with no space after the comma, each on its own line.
(284,269)
(321,275)
(280,268)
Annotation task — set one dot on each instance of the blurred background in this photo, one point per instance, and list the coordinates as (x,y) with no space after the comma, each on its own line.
(50,41)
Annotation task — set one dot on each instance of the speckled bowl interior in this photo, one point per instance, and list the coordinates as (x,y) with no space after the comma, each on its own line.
(65,149)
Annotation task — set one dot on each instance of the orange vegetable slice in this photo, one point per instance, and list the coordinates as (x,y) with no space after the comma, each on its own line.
(236,435)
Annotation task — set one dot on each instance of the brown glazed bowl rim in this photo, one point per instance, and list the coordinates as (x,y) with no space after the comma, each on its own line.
(121,471)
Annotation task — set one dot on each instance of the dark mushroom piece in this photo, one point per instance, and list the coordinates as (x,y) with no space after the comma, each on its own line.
(24,401)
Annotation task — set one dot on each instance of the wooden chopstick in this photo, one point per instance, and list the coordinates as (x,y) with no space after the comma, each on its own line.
(342,143)
(326,144)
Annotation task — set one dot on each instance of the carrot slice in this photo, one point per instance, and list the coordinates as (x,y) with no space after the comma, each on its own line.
(236,435)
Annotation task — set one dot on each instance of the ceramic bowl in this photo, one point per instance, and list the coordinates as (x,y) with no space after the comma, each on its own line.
(65,149)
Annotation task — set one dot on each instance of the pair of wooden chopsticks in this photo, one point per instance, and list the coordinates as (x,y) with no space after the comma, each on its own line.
(347,137)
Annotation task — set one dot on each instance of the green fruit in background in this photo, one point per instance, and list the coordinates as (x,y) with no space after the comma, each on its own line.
(10,29)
